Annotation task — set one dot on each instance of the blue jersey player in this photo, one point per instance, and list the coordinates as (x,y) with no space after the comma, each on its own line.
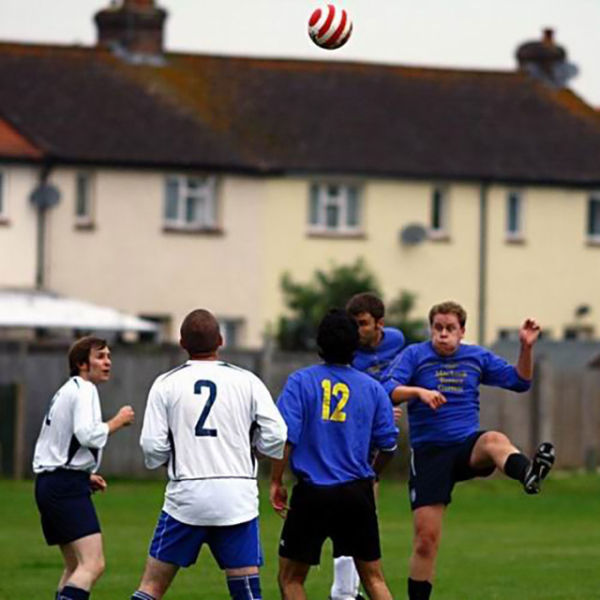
(378,346)
(440,380)
(334,414)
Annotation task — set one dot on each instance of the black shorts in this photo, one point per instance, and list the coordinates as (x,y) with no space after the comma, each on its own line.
(345,513)
(435,469)
(64,500)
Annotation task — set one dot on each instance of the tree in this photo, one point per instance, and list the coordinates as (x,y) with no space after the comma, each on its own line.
(308,302)
(397,315)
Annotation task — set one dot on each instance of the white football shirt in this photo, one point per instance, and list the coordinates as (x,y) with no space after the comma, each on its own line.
(72,434)
(203,419)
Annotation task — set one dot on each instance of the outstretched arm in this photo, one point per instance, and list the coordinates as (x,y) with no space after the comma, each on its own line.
(528,336)
(404,393)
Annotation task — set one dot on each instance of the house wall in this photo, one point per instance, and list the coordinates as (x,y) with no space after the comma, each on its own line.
(18,228)
(128,261)
(434,270)
(553,271)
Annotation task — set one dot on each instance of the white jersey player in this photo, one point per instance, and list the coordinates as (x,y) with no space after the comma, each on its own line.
(207,420)
(73,434)
(66,457)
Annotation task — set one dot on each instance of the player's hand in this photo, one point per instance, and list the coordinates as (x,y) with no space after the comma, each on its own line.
(126,415)
(97,483)
(432,398)
(397,414)
(278,498)
(529,332)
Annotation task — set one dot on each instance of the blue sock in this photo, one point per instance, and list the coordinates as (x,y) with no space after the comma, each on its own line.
(244,587)
(70,592)
(138,595)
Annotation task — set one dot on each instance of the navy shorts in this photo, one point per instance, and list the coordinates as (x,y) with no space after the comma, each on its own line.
(345,513)
(64,500)
(435,469)
(233,546)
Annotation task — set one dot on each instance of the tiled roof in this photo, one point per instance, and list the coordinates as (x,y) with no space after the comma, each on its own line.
(260,115)
(14,145)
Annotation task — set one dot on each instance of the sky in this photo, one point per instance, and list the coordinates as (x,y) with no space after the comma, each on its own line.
(472,34)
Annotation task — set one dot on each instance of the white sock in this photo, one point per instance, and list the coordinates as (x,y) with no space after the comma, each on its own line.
(345,579)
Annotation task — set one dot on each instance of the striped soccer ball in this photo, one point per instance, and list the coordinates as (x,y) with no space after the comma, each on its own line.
(329,27)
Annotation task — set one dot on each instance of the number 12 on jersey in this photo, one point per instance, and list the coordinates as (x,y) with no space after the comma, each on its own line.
(341,393)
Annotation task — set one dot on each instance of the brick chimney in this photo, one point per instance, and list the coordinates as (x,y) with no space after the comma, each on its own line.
(132,27)
(546,60)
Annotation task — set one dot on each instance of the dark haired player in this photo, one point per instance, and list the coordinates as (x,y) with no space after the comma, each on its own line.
(440,380)
(66,457)
(334,414)
(206,420)
(378,346)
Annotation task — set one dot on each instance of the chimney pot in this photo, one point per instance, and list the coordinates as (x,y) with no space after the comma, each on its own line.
(135,27)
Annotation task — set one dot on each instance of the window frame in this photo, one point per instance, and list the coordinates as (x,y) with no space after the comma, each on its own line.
(593,199)
(85,221)
(320,200)
(439,204)
(206,191)
(235,326)
(517,235)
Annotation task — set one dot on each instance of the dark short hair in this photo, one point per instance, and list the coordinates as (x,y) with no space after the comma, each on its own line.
(337,337)
(79,352)
(200,333)
(448,308)
(366,302)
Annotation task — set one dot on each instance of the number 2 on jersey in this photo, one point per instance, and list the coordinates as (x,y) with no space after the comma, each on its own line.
(201,431)
(341,392)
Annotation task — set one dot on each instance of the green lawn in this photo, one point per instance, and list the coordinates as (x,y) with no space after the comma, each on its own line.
(498,543)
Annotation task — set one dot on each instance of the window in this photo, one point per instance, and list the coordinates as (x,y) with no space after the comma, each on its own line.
(334,208)
(231,330)
(593,218)
(190,203)
(514,215)
(438,227)
(579,332)
(83,199)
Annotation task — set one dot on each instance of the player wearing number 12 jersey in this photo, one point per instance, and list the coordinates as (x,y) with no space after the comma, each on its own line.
(207,420)
(335,415)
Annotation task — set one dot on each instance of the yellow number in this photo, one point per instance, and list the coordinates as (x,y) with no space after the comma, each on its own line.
(341,393)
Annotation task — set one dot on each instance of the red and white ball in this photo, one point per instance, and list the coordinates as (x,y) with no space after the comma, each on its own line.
(329,27)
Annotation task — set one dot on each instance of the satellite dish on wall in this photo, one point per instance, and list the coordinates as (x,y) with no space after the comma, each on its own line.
(45,195)
(413,234)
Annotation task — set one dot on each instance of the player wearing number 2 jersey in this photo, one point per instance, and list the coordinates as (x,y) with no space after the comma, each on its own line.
(207,421)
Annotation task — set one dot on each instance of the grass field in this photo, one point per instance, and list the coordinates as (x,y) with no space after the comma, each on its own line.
(498,543)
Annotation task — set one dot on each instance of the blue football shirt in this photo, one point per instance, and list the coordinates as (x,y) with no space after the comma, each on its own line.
(374,361)
(458,377)
(335,414)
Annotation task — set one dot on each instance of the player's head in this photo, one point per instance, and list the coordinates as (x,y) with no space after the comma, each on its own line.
(447,323)
(368,311)
(200,334)
(89,357)
(337,337)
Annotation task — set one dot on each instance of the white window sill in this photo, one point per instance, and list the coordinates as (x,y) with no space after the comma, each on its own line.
(193,229)
(336,233)
(438,235)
